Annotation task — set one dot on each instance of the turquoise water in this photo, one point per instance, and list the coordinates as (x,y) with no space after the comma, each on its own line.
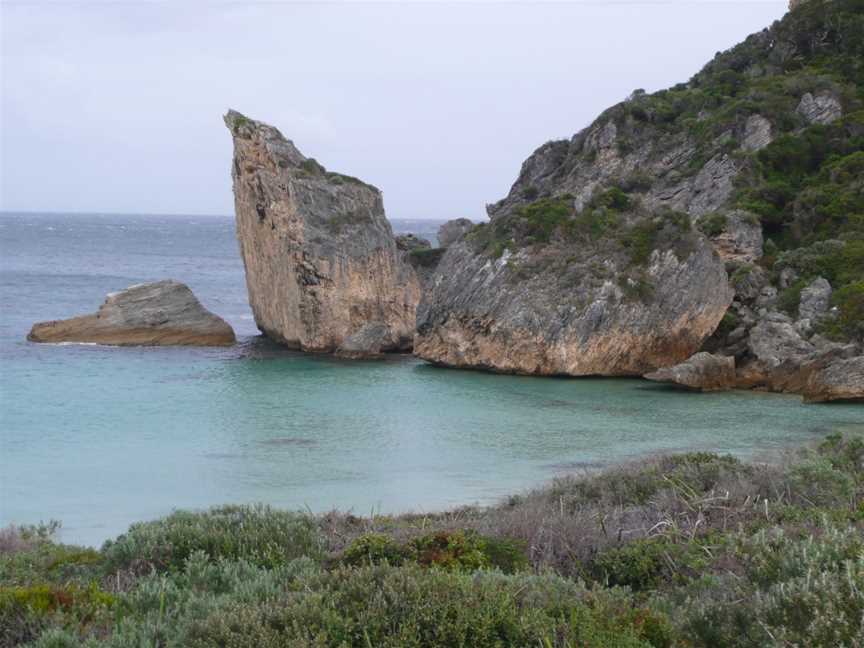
(101,437)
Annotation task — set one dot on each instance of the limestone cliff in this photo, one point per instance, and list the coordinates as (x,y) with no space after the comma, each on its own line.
(163,313)
(619,250)
(321,261)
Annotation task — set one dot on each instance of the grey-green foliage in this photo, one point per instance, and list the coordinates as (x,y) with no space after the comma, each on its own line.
(256,533)
(797,592)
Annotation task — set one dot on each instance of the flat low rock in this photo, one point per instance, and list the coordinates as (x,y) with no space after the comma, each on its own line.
(703,372)
(163,313)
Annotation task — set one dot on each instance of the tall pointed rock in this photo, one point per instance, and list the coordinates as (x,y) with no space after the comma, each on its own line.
(322,267)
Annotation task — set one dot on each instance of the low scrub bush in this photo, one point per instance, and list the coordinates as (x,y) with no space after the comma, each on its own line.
(259,534)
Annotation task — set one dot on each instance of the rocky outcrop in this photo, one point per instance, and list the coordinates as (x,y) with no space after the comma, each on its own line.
(702,372)
(757,133)
(740,239)
(822,108)
(569,316)
(813,304)
(154,314)
(453,230)
(839,381)
(321,261)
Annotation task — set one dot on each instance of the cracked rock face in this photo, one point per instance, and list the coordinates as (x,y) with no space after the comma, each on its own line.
(842,380)
(480,313)
(163,313)
(320,257)
(822,108)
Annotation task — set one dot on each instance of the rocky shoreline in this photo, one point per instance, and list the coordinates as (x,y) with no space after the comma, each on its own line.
(692,236)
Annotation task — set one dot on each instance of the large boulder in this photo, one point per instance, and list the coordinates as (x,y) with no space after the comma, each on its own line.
(560,310)
(153,314)
(842,380)
(321,260)
(702,372)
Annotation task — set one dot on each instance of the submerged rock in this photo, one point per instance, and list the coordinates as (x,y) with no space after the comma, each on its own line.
(703,372)
(154,314)
(321,260)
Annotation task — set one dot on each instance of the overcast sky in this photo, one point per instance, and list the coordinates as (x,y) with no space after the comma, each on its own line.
(116,106)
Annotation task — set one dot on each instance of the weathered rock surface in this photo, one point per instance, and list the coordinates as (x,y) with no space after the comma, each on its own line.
(453,230)
(841,380)
(741,239)
(775,340)
(703,372)
(481,313)
(367,343)
(822,108)
(321,260)
(155,314)
(757,133)
(814,304)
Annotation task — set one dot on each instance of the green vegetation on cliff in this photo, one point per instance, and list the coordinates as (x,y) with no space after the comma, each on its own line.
(683,550)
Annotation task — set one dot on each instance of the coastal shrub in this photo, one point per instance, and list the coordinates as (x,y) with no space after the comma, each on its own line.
(817,481)
(693,549)
(789,299)
(544,216)
(645,564)
(794,591)
(46,561)
(373,548)
(27,611)
(384,606)
(613,198)
(454,550)
(713,224)
(728,324)
(256,533)
(849,301)
(312,167)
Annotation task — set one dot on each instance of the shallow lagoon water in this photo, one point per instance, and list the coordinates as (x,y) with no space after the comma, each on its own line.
(101,437)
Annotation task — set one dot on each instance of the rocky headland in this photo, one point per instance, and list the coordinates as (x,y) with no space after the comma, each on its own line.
(710,235)
(164,313)
(323,270)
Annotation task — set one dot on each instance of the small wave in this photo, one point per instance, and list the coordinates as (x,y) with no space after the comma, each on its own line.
(76,344)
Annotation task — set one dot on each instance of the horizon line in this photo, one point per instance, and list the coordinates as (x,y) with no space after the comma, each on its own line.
(49,212)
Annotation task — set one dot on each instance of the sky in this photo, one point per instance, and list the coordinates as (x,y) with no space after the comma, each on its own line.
(116,106)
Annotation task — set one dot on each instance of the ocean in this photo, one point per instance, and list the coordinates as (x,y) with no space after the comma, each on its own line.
(101,437)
